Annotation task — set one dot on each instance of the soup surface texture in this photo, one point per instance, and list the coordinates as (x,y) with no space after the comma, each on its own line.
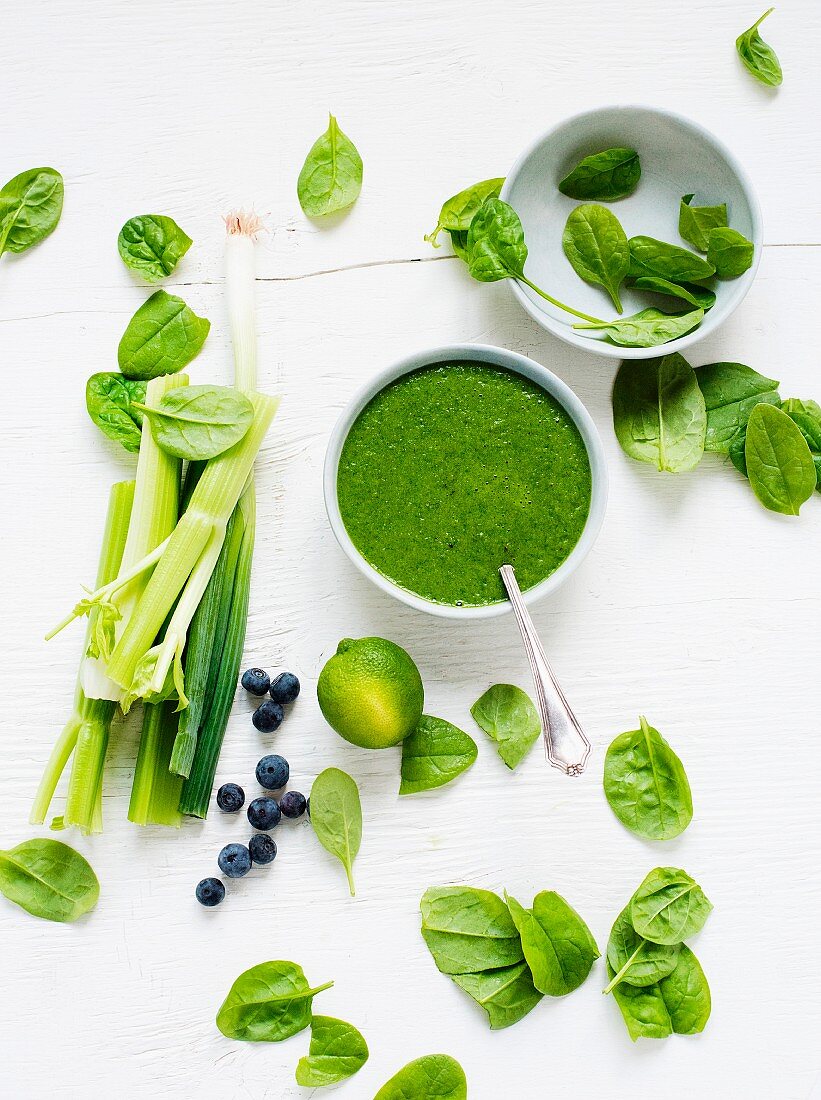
(456,469)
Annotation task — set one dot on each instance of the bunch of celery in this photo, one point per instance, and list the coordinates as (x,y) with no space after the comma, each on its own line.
(167,620)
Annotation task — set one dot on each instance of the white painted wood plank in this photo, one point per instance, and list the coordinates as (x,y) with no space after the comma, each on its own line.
(696,607)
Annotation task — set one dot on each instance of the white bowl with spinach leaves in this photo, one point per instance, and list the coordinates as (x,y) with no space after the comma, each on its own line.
(681,164)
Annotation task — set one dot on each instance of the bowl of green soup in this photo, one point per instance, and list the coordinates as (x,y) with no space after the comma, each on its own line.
(455,461)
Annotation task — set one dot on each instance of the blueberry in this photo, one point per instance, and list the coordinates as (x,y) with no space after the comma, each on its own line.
(268,716)
(263,813)
(285,688)
(273,772)
(230,798)
(256,680)
(234,860)
(210,892)
(308,808)
(263,848)
(293,804)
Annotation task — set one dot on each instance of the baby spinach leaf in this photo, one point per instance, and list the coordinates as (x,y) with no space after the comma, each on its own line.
(730,253)
(268,1003)
(698,296)
(30,208)
(336,815)
(496,243)
(643,1008)
(779,462)
(646,785)
(651,257)
(161,338)
(49,880)
(558,946)
(669,906)
(736,450)
(153,245)
(759,58)
(434,754)
(647,329)
(331,177)
(113,404)
(635,960)
(807,415)
(687,995)
(434,1077)
(459,243)
(695,222)
(337,1051)
(731,391)
(603,177)
(596,246)
(506,994)
(659,414)
(467,929)
(459,211)
(509,718)
(199,422)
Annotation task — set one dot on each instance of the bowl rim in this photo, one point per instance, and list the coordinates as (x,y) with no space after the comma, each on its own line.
(519,364)
(741,285)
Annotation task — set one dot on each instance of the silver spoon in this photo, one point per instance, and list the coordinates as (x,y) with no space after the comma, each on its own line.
(565,742)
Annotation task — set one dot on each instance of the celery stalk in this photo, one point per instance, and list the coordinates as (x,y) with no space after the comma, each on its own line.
(85,713)
(155,794)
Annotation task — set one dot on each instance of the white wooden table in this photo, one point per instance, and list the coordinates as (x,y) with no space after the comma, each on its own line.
(696,607)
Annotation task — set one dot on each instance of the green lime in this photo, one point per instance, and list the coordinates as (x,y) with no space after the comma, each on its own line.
(371,692)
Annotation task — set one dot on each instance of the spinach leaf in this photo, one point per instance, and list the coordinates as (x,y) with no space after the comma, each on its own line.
(603,177)
(807,415)
(730,253)
(558,946)
(644,1010)
(731,391)
(434,754)
(651,257)
(337,1051)
(268,1003)
(779,462)
(646,785)
(736,450)
(496,243)
(596,246)
(669,906)
(695,222)
(459,211)
(635,960)
(113,404)
(467,929)
(336,815)
(153,245)
(648,328)
(49,880)
(509,718)
(698,296)
(199,422)
(659,414)
(161,338)
(687,995)
(331,177)
(434,1077)
(506,994)
(759,58)
(459,243)
(30,208)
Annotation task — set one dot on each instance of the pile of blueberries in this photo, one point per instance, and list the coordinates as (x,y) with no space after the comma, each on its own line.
(264,813)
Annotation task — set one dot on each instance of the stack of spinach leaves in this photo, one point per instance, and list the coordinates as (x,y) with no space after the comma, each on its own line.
(504,956)
(656,980)
(667,414)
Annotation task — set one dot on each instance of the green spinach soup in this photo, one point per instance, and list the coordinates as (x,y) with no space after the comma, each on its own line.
(457,468)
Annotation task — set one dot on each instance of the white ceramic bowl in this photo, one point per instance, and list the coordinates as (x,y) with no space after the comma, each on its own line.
(481,353)
(677,157)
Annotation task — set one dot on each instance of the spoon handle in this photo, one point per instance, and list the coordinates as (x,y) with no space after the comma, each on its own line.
(565,742)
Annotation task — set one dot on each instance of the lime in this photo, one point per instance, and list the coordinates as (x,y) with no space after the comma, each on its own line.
(371,692)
